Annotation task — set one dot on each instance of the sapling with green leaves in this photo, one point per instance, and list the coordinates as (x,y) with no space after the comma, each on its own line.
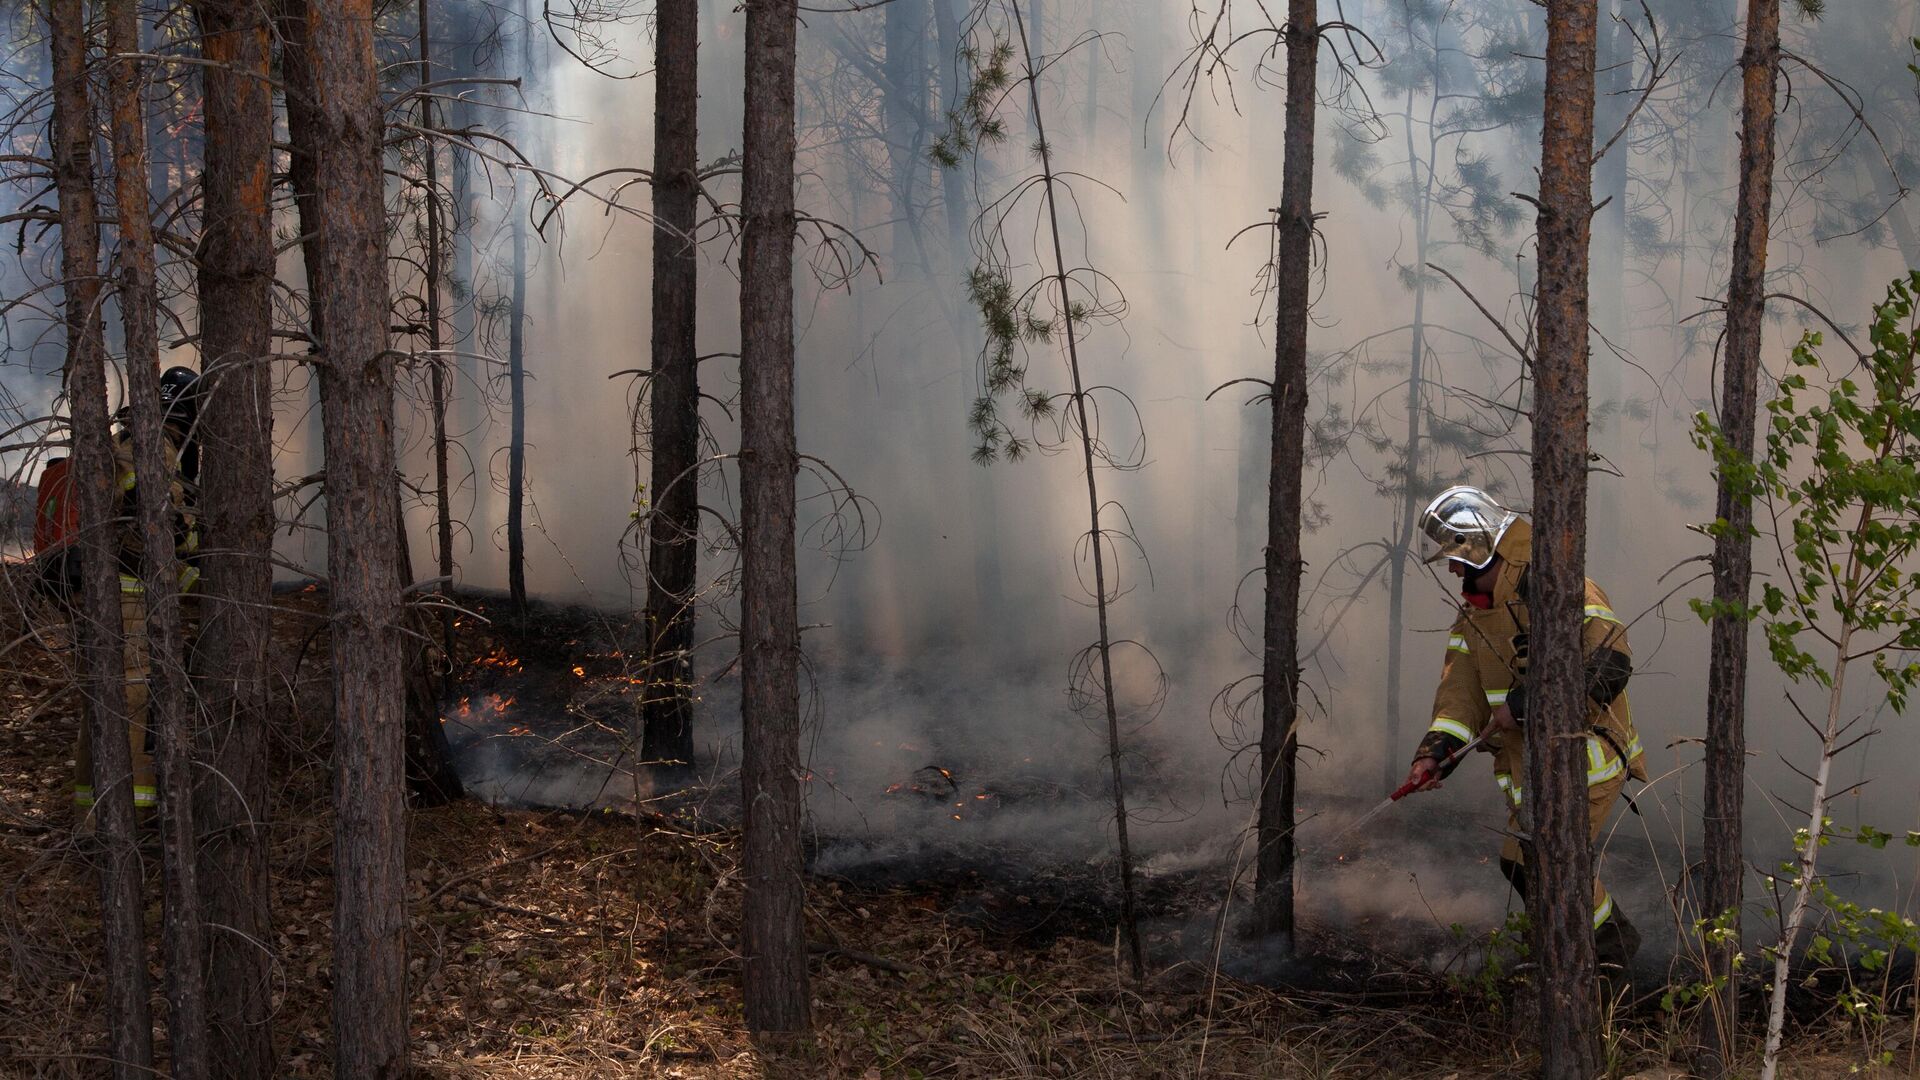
(1056,308)
(1840,474)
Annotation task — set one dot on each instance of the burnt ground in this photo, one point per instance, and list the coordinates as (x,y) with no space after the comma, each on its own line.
(576,943)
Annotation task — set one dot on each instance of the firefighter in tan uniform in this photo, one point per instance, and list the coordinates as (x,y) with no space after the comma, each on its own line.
(1483,684)
(178,399)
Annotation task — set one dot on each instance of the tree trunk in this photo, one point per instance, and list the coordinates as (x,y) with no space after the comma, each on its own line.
(236,514)
(1725,868)
(517,365)
(1420,180)
(903,95)
(436,340)
(673,528)
(1561,860)
(97,620)
(357,377)
(774,938)
(517,410)
(156,470)
(1280,660)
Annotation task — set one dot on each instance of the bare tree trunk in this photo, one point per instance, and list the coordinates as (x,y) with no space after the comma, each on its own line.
(1560,865)
(774,939)
(903,96)
(155,470)
(1725,866)
(674,526)
(436,341)
(357,375)
(1420,180)
(517,411)
(236,514)
(1280,661)
(97,621)
(517,366)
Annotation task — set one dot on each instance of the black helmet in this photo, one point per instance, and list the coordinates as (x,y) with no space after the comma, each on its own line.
(178,396)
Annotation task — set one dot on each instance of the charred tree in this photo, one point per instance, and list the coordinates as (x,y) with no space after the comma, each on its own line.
(1726,752)
(774,940)
(156,468)
(357,380)
(97,619)
(236,268)
(673,527)
(1280,660)
(1560,862)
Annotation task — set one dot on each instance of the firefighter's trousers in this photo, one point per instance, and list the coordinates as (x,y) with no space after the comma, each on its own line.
(1600,799)
(133,627)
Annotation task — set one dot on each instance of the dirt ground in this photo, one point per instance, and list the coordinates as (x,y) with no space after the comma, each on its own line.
(561,945)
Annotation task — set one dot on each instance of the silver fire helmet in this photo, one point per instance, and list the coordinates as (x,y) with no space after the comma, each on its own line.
(1466,524)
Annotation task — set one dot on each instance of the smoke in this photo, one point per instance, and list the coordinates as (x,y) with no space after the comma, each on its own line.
(947,640)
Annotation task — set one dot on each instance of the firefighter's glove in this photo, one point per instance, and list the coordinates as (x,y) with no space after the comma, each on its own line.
(1425,775)
(1516,704)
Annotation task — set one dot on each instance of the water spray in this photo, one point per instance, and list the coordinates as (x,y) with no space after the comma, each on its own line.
(1447,766)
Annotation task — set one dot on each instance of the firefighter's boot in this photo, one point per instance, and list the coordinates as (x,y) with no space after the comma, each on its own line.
(1616,941)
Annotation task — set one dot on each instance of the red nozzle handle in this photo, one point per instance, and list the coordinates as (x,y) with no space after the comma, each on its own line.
(1401,792)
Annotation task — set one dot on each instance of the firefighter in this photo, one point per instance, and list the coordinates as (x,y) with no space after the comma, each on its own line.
(180,402)
(1483,685)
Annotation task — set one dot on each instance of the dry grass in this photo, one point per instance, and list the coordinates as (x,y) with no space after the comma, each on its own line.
(551,945)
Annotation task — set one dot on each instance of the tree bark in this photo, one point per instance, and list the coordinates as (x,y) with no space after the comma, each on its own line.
(357,378)
(1280,660)
(236,269)
(160,570)
(97,621)
(774,944)
(1561,860)
(1725,867)
(673,528)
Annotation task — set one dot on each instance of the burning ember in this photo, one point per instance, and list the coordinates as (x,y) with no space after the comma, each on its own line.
(498,659)
(933,782)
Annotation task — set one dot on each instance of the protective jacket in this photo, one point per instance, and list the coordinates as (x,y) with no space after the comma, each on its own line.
(1486,666)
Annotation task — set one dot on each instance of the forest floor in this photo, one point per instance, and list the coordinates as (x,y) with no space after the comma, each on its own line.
(548,944)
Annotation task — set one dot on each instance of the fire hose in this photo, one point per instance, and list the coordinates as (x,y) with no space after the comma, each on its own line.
(1446,766)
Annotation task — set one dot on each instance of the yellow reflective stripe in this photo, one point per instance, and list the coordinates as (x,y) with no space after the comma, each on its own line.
(1456,643)
(127,481)
(1601,611)
(1450,726)
(131,585)
(1602,766)
(1496,697)
(189,577)
(142,795)
(1633,748)
(1505,780)
(1601,913)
